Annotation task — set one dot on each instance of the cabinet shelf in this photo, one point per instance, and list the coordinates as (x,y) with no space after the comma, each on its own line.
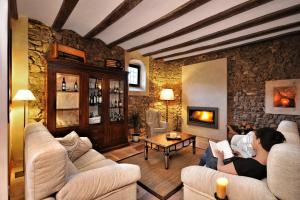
(60,91)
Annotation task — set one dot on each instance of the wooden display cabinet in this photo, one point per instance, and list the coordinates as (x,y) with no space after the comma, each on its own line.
(89,100)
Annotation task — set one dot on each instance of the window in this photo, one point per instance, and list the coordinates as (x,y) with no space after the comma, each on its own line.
(134,75)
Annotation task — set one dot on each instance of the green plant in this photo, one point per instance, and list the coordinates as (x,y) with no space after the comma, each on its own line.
(135,121)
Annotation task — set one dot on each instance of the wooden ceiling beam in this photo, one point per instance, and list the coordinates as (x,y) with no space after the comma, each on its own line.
(125,7)
(248,24)
(13,9)
(206,22)
(181,10)
(63,14)
(252,42)
(234,40)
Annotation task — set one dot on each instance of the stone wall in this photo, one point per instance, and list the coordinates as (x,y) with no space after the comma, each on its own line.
(249,67)
(161,76)
(40,37)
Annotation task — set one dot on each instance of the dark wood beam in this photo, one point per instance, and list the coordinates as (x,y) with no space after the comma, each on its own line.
(253,42)
(206,22)
(13,9)
(248,24)
(181,10)
(64,13)
(234,40)
(115,15)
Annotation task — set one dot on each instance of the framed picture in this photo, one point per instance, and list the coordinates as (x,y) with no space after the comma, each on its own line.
(283,97)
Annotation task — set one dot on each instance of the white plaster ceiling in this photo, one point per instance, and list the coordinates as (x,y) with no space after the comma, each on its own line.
(42,10)
(229,22)
(88,13)
(255,29)
(192,17)
(144,13)
(235,44)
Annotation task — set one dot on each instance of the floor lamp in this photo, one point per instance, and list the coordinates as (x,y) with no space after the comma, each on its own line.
(167,95)
(24,95)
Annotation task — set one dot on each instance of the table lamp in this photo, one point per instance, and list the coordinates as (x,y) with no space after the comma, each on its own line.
(24,95)
(166,95)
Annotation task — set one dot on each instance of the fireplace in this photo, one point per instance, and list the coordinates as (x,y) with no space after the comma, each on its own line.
(202,116)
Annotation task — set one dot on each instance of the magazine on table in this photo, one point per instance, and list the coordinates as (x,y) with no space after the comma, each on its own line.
(221,146)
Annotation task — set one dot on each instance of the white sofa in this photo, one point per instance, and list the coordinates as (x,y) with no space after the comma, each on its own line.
(282,182)
(50,174)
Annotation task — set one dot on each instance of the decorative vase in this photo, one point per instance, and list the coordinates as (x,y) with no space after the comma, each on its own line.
(136,137)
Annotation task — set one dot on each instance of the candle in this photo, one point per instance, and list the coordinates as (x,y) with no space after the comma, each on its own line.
(173,134)
(221,187)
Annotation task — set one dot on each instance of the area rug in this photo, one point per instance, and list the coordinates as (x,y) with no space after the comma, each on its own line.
(156,179)
(125,152)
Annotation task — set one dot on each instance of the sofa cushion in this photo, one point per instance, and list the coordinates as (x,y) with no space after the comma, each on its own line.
(283,171)
(71,169)
(74,145)
(88,158)
(98,164)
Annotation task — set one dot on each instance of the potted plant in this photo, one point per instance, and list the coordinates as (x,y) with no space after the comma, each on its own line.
(135,121)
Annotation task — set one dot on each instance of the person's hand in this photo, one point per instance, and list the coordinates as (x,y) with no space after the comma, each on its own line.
(219,154)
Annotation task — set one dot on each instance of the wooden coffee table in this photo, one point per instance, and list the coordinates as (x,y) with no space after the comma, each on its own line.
(161,142)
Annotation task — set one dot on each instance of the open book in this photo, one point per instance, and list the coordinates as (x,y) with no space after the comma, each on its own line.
(221,146)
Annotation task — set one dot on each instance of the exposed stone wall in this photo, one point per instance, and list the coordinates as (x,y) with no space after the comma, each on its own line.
(249,67)
(161,76)
(40,37)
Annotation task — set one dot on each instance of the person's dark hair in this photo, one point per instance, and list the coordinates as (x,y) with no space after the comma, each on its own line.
(269,137)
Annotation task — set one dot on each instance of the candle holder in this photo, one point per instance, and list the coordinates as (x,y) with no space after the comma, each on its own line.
(217,198)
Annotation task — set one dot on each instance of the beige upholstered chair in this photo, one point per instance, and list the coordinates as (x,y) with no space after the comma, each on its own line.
(282,182)
(154,123)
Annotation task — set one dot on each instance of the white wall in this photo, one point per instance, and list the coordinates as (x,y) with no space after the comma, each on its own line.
(205,85)
(3,102)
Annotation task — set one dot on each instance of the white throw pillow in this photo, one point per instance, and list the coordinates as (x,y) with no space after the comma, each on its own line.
(74,145)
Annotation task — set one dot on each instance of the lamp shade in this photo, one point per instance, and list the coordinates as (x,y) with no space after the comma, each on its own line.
(24,95)
(167,94)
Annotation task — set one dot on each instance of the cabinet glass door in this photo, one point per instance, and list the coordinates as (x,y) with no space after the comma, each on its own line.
(116,100)
(67,100)
(95,100)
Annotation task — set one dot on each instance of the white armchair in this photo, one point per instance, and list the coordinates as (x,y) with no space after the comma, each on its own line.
(154,123)
(282,182)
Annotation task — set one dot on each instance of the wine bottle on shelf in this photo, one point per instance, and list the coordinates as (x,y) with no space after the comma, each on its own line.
(91,100)
(75,86)
(116,103)
(99,97)
(95,98)
(63,85)
(120,103)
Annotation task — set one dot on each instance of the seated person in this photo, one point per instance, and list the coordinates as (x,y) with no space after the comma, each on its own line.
(242,148)
(255,167)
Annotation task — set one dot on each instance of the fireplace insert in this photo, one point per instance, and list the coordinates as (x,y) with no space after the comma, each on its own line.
(203,116)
